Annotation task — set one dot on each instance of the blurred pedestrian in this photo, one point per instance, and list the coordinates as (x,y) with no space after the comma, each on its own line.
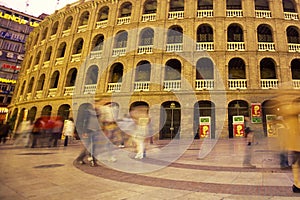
(4,131)
(249,134)
(282,131)
(37,130)
(24,131)
(91,128)
(290,113)
(68,130)
(56,130)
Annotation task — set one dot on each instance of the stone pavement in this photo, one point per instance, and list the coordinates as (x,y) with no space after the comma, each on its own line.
(51,173)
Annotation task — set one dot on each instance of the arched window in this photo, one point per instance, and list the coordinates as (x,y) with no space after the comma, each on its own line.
(41,82)
(97,43)
(262,5)
(61,50)
(236,69)
(71,77)
(44,35)
(295,68)
(235,33)
(116,73)
(173,70)
(204,69)
(103,14)
(121,39)
(264,33)
(48,54)
(78,45)
(54,28)
(146,37)
(205,33)
(175,35)
(233,4)
(150,7)
(54,80)
(292,33)
(47,111)
(84,18)
(289,6)
(267,69)
(205,5)
(176,5)
(30,85)
(37,58)
(68,23)
(92,75)
(125,9)
(143,71)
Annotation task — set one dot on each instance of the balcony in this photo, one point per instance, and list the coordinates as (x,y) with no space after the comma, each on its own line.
(177,47)
(269,83)
(90,89)
(28,96)
(101,24)
(176,15)
(149,17)
(39,94)
(69,91)
(75,57)
(52,92)
(81,29)
(96,54)
(204,84)
(291,16)
(36,67)
(114,87)
(59,61)
(296,84)
(123,20)
(172,85)
(52,37)
(205,46)
(234,13)
(141,86)
(119,52)
(21,98)
(66,33)
(263,14)
(235,84)
(145,49)
(236,46)
(46,64)
(205,13)
(266,46)
(42,42)
(294,47)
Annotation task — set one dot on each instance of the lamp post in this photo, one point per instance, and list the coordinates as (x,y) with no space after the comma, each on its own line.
(172,106)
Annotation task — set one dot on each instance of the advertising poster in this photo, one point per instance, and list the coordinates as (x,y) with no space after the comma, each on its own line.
(271,126)
(256,116)
(238,126)
(204,127)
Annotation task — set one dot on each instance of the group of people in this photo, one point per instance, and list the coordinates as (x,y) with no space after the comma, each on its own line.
(101,123)
(45,131)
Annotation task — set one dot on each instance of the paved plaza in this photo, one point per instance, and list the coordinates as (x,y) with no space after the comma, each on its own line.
(51,173)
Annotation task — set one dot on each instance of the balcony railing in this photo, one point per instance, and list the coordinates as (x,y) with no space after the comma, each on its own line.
(291,15)
(52,37)
(28,96)
(148,17)
(75,57)
(42,42)
(236,46)
(66,32)
(141,86)
(172,85)
(269,83)
(204,84)
(145,49)
(205,46)
(114,87)
(235,84)
(46,64)
(176,15)
(296,84)
(69,91)
(123,20)
(39,94)
(119,52)
(177,47)
(82,28)
(59,61)
(266,46)
(234,13)
(90,89)
(96,54)
(35,67)
(263,14)
(294,47)
(101,24)
(205,13)
(52,92)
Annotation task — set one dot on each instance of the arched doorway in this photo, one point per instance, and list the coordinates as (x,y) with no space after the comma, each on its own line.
(204,109)
(235,108)
(269,109)
(32,114)
(170,117)
(64,111)
(47,111)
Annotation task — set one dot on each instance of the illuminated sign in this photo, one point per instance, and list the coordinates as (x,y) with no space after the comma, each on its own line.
(17,19)
(8,66)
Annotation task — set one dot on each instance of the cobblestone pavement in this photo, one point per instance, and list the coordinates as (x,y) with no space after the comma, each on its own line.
(51,173)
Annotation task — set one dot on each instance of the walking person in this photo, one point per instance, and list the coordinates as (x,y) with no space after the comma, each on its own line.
(249,134)
(91,128)
(56,130)
(4,131)
(68,130)
(37,130)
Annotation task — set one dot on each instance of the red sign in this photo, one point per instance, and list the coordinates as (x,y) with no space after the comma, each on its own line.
(7,66)
(238,130)
(204,131)
(256,110)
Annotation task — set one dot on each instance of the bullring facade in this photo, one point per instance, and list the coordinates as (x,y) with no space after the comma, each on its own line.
(238,51)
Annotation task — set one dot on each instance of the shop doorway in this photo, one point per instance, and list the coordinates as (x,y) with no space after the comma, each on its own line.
(235,108)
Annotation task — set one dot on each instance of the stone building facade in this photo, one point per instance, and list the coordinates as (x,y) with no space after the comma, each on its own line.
(184,59)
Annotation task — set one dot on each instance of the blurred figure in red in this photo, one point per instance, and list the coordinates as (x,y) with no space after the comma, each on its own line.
(56,132)
(37,130)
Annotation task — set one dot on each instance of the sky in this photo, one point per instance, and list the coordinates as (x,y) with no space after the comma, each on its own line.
(36,7)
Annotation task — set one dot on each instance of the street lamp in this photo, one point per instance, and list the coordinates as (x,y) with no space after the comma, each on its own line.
(172,106)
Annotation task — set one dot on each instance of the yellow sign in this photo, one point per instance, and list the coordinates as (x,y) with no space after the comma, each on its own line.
(17,19)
